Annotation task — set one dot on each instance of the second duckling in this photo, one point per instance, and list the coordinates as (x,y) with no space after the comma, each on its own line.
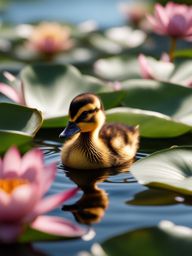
(92,144)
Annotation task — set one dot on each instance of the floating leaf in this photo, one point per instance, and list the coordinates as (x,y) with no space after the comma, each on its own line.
(149,241)
(18,125)
(152,124)
(117,39)
(182,73)
(126,36)
(152,197)
(32,235)
(124,68)
(8,138)
(169,169)
(19,118)
(169,99)
(54,122)
(104,44)
(50,88)
(117,68)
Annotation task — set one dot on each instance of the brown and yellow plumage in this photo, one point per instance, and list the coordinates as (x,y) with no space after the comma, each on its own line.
(92,144)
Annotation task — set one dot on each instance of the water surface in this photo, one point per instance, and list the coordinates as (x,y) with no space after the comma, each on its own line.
(122,213)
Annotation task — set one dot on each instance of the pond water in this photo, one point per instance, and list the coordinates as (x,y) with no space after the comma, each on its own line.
(124,204)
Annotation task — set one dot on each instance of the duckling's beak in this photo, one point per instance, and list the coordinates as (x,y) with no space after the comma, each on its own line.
(70,130)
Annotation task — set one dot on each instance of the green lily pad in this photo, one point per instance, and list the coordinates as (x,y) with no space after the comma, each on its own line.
(182,73)
(156,197)
(104,44)
(117,68)
(169,169)
(126,36)
(55,122)
(10,138)
(148,241)
(115,40)
(152,124)
(32,235)
(19,118)
(123,68)
(50,88)
(169,99)
(112,99)
(18,125)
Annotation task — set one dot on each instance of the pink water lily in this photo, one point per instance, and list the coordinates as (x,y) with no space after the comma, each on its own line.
(174,20)
(145,69)
(161,70)
(155,69)
(134,12)
(50,38)
(23,182)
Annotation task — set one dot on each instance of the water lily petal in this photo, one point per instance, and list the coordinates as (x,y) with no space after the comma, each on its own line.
(177,26)
(57,226)
(10,232)
(51,202)
(170,8)
(10,92)
(11,162)
(189,31)
(146,71)
(155,25)
(24,198)
(1,167)
(161,15)
(32,164)
(33,170)
(48,177)
(16,206)
(4,200)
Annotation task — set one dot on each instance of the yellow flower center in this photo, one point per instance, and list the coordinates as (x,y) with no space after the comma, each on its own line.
(8,185)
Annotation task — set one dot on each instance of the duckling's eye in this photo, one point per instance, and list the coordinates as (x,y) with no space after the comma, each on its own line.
(84,115)
(89,111)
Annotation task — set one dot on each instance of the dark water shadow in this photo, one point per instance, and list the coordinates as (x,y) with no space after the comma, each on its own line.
(159,197)
(91,207)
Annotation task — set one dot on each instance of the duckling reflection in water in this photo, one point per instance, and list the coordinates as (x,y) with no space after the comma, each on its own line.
(91,207)
(92,144)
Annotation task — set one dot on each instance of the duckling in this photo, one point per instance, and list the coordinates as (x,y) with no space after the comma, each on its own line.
(92,144)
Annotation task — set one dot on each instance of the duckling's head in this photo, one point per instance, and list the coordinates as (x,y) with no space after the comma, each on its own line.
(86,114)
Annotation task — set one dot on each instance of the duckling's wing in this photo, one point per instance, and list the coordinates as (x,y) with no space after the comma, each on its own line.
(120,139)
